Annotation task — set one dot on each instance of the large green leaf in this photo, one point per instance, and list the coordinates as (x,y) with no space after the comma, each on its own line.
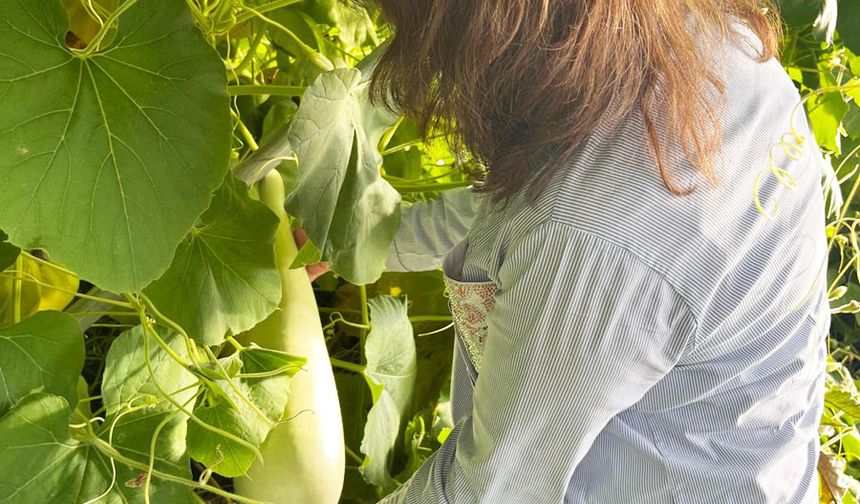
(390,373)
(108,159)
(223,277)
(219,453)
(355,400)
(132,435)
(345,206)
(269,392)
(247,406)
(40,460)
(42,353)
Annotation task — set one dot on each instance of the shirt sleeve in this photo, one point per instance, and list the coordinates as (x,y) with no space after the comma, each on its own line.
(430,229)
(580,331)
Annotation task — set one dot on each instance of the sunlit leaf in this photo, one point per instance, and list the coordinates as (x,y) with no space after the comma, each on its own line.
(830,470)
(380,439)
(826,112)
(845,401)
(43,287)
(353,22)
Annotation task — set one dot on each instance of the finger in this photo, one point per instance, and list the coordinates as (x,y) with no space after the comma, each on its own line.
(316,270)
(300,237)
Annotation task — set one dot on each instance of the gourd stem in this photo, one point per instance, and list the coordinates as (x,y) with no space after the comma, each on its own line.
(272,193)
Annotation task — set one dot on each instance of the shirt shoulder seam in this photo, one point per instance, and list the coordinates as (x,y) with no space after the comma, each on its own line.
(639,259)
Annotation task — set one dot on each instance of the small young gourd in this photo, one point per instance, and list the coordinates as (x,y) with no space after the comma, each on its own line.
(303,456)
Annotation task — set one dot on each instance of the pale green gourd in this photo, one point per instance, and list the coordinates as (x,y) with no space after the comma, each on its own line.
(303,457)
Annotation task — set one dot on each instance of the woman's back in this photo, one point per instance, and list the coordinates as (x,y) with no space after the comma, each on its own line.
(735,417)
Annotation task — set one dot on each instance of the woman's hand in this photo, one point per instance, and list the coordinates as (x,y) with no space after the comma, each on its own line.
(314,270)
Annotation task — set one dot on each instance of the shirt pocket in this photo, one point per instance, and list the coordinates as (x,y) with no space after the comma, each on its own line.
(469,303)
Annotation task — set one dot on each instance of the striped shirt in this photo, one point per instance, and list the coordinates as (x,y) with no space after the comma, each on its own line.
(641,347)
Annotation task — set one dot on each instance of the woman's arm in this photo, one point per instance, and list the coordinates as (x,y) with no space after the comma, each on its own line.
(580,331)
(428,230)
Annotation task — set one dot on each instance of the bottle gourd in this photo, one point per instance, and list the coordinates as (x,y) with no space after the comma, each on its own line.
(303,456)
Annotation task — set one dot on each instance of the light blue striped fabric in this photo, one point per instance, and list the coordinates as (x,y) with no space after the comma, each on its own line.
(644,347)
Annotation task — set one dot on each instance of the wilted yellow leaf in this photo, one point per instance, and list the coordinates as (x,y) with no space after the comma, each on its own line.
(55,294)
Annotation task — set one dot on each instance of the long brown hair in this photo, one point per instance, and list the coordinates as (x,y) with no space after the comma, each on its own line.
(520,84)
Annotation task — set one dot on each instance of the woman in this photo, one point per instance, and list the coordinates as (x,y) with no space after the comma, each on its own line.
(638,288)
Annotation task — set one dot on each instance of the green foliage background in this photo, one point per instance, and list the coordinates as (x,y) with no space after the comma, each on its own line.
(133,248)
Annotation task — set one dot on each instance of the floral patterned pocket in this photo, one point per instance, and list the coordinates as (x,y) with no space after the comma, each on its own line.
(469,303)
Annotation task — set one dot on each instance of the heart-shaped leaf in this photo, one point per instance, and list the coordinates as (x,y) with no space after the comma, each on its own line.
(223,277)
(108,158)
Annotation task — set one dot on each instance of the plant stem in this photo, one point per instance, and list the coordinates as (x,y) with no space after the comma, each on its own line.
(353,455)
(325,309)
(277,4)
(246,134)
(18,288)
(109,451)
(97,40)
(365,316)
(386,138)
(412,188)
(47,263)
(91,310)
(32,279)
(102,313)
(349,366)
(430,318)
(316,59)
(249,57)
(265,89)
